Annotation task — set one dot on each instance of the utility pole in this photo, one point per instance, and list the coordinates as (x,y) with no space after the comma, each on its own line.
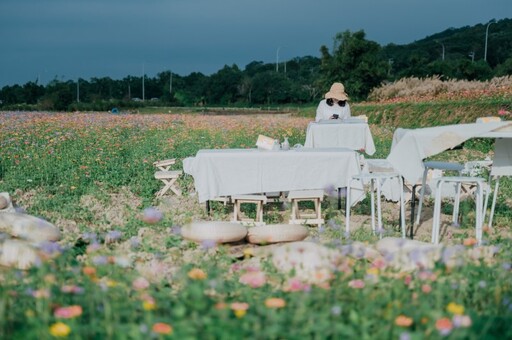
(170,83)
(486,35)
(143,76)
(78,90)
(277,59)
(472,55)
(442,45)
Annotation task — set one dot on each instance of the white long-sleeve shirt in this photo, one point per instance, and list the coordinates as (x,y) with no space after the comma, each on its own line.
(324,111)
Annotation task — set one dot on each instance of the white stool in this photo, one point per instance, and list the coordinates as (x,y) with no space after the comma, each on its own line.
(479,182)
(165,164)
(375,178)
(445,166)
(169,178)
(223,199)
(259,200)
(298,217)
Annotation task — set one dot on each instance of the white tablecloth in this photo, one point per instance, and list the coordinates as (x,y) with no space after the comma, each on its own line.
(227,172)
(338,134)
(408,153)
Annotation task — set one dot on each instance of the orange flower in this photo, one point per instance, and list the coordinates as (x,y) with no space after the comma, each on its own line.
(89,271)
(275,303)
(220,305)
(68,312)
(444,325)
(197,274)
(403,321)
(468,242)
(162,328)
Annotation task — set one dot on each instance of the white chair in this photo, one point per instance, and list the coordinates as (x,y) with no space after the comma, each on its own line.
(167,176)
(444,166)
(460,180)
(375,180)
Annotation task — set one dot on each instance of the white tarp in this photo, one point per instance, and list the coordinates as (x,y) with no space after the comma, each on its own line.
(408,153)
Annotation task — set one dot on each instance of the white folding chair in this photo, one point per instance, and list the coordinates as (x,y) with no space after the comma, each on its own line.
(167,176)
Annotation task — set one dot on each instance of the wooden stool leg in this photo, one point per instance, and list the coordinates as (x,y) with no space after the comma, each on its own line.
(166,187)
(236,207)
(259,212)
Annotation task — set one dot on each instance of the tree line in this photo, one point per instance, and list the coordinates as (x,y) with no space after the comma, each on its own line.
(359,63)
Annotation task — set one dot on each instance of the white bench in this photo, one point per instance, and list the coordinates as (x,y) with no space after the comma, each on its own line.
(298,217)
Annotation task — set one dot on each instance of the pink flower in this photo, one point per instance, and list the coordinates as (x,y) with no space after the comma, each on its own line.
(296,285)
(140,283)
(253,279)
(461,321)
(426,288)
(68,312)
(502,112)
(358,284)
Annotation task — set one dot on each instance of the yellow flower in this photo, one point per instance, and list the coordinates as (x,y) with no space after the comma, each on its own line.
(275,303)
(239,313)
(60,329)
(239,308)
(372,271)
(455,308)
(149,305)
(197,274)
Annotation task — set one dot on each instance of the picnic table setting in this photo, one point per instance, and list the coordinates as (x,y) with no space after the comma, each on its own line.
(331,161)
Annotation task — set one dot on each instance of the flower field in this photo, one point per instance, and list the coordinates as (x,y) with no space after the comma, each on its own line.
(122,270)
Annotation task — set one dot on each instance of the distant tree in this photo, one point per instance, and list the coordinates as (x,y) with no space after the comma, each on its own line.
(355,62)
(505,68)
(224,86)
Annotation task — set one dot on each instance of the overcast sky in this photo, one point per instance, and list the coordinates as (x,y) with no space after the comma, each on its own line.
(67,39)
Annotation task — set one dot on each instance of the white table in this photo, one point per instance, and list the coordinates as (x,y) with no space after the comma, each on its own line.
(227,172)
(334,133)
(411,147)
(409,151)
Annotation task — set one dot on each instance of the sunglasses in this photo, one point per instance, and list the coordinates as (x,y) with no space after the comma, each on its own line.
(331,101)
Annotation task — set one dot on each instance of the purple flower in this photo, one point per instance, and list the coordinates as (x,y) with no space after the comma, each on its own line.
(113,235)
(405,336)
(175,230)
(92,237)
(134,242)
(208,244)
(336,310)
(152,215)
(100,260)
(332,223)
(50,248)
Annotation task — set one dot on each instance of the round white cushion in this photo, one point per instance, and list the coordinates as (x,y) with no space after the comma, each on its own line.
(277,233)
(218,231)
(28,227)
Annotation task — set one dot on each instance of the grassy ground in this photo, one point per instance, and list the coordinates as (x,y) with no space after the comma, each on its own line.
(125,272)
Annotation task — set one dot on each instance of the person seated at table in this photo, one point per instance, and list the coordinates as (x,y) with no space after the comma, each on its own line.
(334,105)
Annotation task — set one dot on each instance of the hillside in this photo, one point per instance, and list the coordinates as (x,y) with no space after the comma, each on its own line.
(466,42)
